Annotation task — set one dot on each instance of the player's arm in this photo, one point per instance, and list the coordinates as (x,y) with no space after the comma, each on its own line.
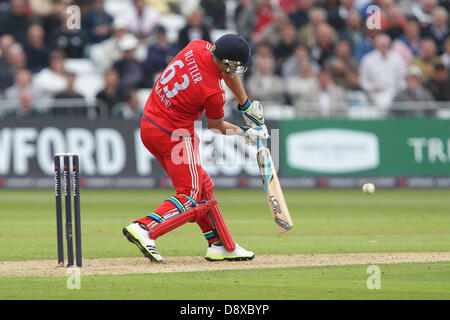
(252,111)
(250,135)
(237,88)
(224,127)
(214,118)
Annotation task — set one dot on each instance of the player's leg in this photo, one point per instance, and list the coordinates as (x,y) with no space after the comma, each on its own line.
(171,214)
(213,226)
(136,232)
(224,248)
(184,170)
(187,177)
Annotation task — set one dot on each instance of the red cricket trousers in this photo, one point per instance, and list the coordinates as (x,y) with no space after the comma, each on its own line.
(179,156)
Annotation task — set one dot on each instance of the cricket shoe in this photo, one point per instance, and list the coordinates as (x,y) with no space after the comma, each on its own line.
(219,253)
(140,237)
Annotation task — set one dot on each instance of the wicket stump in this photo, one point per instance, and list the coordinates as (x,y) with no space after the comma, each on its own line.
(70,170)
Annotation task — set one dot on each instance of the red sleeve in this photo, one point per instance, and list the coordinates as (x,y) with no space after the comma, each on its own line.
(214,106)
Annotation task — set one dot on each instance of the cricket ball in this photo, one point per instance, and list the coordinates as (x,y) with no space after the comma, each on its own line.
(368,188)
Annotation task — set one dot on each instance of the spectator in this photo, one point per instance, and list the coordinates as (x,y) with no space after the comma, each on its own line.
(263,84)
(381,72)
(195,29)
(392,21)
(16,21)
(412,37)
(35,49)
(445,57)
(22,81)
(53,21)
(400,48)
(165,6)
(352,31)
(346,7)
(159,54)
(131,71)
(41,8)
(70,102)
(271,33)
(245,18)
(111,94)
(141,20)
(289,6)
(445,4)
(130,109)
(69,38)
(307,35)
(6,42)
(408,6)
(418,97)
(287,44)
(264,11)
(263,50)
(324,46)
(355,96)
(291,67)
(365,44)
(16,60)
(52,80)
(300,85)
(343,52)
(106,53)
(427,59)
(424,12)
(4,6)
(439,84)
(97,23)
(341,63)
(438,30)
(215,11)
(186,7)
(330,97)
(300,16)
(332,9)
(324,100)
(26,106)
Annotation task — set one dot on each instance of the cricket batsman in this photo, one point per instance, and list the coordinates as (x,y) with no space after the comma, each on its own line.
(189,85)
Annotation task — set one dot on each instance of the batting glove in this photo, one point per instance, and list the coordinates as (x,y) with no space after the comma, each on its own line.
(252,112)
(251,135)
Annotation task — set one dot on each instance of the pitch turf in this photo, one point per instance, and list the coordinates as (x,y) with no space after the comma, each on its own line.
(326,221)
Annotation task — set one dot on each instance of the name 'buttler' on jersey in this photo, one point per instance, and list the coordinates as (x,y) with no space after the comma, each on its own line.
(190,84)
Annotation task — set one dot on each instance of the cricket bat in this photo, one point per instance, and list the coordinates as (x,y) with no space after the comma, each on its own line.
(275,197)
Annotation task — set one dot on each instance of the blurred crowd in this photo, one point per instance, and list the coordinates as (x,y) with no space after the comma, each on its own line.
(322,57)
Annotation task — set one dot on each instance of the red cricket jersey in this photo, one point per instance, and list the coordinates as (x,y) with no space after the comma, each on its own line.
(189,85)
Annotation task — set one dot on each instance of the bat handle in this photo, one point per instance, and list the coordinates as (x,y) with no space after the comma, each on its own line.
(260,144)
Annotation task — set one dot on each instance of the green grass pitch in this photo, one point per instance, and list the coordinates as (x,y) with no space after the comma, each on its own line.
(326,221)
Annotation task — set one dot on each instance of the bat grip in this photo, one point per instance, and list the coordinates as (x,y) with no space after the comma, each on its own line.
(259,144)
